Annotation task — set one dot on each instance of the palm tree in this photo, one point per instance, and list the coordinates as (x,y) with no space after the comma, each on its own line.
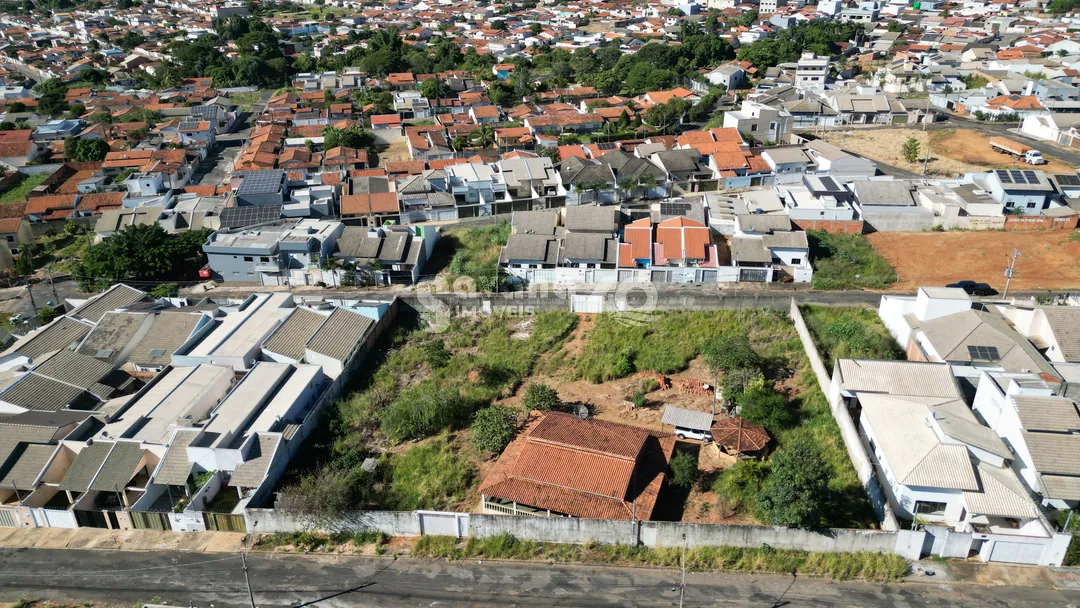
(483,136)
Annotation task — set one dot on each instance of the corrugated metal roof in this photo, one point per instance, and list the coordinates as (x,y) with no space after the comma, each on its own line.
(24,473)
(58,335)
(291,336)
(36,392)
(169,331)
(340,334)
(75,369)
(175,468)
(119,467)
(85,467)
(898,378)
(688,419)
(119,296)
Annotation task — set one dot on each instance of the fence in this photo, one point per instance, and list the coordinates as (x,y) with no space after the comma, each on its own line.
(856,452)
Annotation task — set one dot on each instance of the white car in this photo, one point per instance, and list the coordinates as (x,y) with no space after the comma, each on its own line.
(684,434)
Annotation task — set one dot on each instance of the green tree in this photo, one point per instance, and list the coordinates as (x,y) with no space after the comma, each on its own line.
(140,253)
(796,493)
(165,290)
(46,314)
(539,396)
(741,484)
(493,428)
(683,469)
(911,150)
(84,150)
(766,407)
(730,351)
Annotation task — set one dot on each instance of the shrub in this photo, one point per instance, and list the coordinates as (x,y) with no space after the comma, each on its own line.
(649,385)
(1072,554)
(493,428)
(46,314)
(911,150)
(729,352)
(847,261)
(740,485)
(684,469)
(421,412)
(796,493)
(429,476)
(739,380)
(638,399)
(324,496)
(165,290)
(766,407)
(539,396)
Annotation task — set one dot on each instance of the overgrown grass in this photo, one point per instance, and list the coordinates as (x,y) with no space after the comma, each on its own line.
(19,193)
(306,542)
(1072,554)
(246,100)
(847,261)
(836,565)
(433,475)
(667,342)
(850,333)
(476,254)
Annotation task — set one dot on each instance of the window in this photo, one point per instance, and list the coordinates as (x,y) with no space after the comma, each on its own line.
(934,509)
(796,261)
(10,238)
(753,128)
(264,259)
(1031,205)
(248,258)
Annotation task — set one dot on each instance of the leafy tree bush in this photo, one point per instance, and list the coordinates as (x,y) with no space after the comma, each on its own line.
(911,150)
(165,290)
(741,484)
(84,150)
(739,380)
(683,469)
(421,412)
(46,314)
(766,407)
(730,351)
(540,396)
(493,428)
(141,252)
(796,493)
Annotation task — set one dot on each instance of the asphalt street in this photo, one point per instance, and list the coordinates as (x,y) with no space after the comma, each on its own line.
(304,580)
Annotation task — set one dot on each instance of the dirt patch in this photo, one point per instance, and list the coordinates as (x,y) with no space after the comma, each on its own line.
(1048,259)
(952,152)
(395,153)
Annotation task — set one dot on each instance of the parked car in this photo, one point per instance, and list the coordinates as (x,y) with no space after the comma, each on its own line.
(684,433)
(974,289)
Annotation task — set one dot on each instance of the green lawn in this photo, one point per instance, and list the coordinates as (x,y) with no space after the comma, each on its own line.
(850,333)
(19,193)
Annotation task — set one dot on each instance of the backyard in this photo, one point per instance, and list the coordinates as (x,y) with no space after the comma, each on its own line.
(417,414)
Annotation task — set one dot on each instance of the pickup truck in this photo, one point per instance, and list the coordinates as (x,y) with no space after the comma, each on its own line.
(1019,151)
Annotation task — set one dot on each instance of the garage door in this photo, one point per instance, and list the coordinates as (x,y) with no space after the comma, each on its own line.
(1016,553)
(587,304)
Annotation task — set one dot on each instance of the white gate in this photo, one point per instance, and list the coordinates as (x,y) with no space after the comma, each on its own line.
(1017,553)
(587,303)
(442,523)
(55,518)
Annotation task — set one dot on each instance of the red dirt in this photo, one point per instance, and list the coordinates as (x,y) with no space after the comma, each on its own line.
(1048,259)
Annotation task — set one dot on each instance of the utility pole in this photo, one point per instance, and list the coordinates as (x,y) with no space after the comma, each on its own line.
(247,580)
(926,158)
(56,298)
(30,291)
(1009,270)
(682,583)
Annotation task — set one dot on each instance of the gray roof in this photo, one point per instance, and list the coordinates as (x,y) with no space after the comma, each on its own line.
(85,467)
(1054,453)
(1052,414)
(36,392)
(687,419)
(978,335)
(530,248)
(589,246)
(24,472)
(898,378)
(764,222)
(291,336)
(1000,494)
(1064,321)
(340,334)
(750,249)
(77,370)
(895,193)
(169,331)
(589,218)
(113,332)
(679,160)
(1061,486)
(787,155)
(251,472)
(119,296)
(394,245)
(175,468)
(535,222)
(58,335)
(119,467)
(786,240)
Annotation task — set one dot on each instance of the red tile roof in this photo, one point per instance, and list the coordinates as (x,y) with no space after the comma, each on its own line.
(367,204)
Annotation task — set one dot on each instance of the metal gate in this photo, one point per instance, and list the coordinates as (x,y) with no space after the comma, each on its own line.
(225,522)
(586,303)
(150,520)
(754,275)
(56,518)
(442,523)
(8,519)
(1017,553)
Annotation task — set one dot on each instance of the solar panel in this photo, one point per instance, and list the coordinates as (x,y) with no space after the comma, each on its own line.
(1068,179)
(238,217)
(1003,176)
(157,352)
(1018,177)
(829,184)
(1031,177)
(983,353)
(261,182)
(674,208)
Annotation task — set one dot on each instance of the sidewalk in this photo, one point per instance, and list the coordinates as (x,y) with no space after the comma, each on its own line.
(127,540)
(979,573)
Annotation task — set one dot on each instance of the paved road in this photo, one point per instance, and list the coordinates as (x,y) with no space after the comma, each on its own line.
(292,580)
(218,164)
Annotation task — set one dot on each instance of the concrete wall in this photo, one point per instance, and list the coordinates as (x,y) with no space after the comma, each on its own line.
(831,226)
(391,523)
(1040,222)
(856,452)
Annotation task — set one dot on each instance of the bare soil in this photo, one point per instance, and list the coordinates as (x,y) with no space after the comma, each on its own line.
(394,153)
(952,152)
(1048,259)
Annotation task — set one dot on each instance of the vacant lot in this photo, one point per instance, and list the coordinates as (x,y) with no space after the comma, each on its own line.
(952,152)
(1048,259)
(850,333)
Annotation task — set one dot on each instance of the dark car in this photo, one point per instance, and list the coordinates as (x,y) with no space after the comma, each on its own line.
(974,289)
